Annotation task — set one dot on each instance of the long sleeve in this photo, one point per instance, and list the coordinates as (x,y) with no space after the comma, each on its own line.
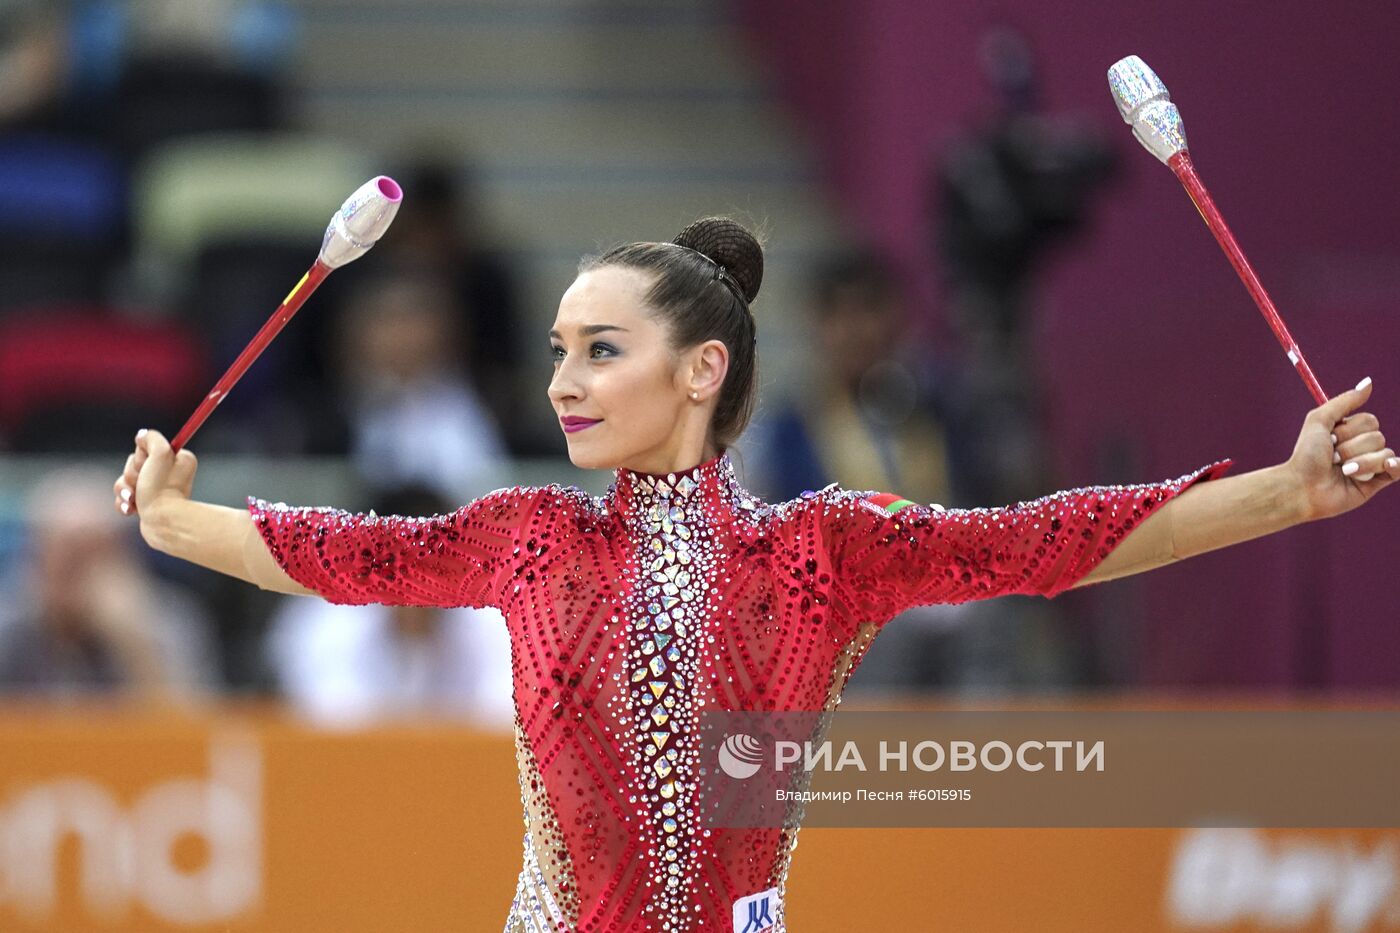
(888,555)
(459,559)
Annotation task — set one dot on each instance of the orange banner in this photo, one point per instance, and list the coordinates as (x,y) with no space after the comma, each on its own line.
(129,821)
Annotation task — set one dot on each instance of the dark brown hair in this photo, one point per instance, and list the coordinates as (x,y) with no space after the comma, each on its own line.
(706,280)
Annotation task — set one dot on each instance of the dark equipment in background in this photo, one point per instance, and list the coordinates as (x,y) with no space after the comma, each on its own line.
(1004,196)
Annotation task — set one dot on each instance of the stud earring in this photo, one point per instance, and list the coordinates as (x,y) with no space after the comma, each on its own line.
(695,395)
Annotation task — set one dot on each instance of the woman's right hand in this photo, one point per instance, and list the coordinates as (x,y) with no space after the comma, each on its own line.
(153,474)
(157,485)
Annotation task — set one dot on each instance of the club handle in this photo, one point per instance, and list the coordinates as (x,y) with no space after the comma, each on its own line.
(289,306)
(1185,171)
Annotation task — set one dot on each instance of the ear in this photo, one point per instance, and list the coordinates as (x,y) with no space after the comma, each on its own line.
(707,364)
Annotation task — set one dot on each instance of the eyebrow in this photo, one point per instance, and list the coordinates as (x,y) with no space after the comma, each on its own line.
(591,329)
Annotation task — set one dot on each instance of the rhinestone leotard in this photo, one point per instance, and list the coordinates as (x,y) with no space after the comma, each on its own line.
(632,612)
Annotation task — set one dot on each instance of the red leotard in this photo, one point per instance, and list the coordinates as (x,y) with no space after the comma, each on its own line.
(630,613)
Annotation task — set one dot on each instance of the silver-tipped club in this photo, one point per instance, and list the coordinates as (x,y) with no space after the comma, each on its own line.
(1145,104)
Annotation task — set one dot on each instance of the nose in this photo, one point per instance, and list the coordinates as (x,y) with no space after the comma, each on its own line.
(563,387)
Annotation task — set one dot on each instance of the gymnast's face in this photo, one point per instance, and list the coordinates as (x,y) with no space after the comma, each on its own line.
(620,391)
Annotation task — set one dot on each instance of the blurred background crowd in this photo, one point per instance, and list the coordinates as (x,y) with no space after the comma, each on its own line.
(980,291)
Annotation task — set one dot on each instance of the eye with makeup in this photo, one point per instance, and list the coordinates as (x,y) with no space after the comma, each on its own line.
(595,351)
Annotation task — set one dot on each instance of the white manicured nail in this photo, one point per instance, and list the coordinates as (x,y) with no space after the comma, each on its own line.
(126,495)
(1350,468)
(1363,383)
(1334,439)
(1336,457)
(141,433)
(126,508)
(1392,463)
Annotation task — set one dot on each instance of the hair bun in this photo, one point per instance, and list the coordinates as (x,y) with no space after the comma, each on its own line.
(730,245)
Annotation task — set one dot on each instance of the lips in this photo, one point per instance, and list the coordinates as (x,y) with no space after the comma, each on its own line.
(574,423)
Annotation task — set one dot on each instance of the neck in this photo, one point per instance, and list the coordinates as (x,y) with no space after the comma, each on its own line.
(674,461)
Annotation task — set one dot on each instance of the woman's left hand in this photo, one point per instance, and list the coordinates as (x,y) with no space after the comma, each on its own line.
(1336,446)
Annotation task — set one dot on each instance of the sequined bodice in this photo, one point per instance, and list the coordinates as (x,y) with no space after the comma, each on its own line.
(631,613)
(663,626)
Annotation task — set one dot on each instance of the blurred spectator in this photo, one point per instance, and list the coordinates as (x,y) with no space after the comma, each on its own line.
(135,72)
(84,615)
(342,665)
(439,232)
(33,56)
(870,421)
(410,413)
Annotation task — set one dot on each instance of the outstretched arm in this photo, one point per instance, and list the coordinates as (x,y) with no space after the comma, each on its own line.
(465,558)
(1316,482)
(1205,517)
(887,554)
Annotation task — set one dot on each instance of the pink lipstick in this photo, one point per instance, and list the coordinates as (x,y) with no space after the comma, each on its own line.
(572,423)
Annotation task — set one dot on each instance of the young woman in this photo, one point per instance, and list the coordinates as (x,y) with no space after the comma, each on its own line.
(678,591)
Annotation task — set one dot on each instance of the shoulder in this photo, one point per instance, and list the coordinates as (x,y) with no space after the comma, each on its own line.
(570,498)
(566,503)
(836,513)
(527,498)
(834,498)
(833,504)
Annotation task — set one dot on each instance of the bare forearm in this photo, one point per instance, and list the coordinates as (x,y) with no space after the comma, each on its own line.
(217,537)
(1206,517)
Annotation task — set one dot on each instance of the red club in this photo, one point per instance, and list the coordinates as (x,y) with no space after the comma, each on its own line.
(357,226)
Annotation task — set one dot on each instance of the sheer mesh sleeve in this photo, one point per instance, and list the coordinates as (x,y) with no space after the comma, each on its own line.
(889,554)
(459,559)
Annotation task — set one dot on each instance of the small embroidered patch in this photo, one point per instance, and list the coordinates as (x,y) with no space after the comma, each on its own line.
(757,912)
(889,502)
